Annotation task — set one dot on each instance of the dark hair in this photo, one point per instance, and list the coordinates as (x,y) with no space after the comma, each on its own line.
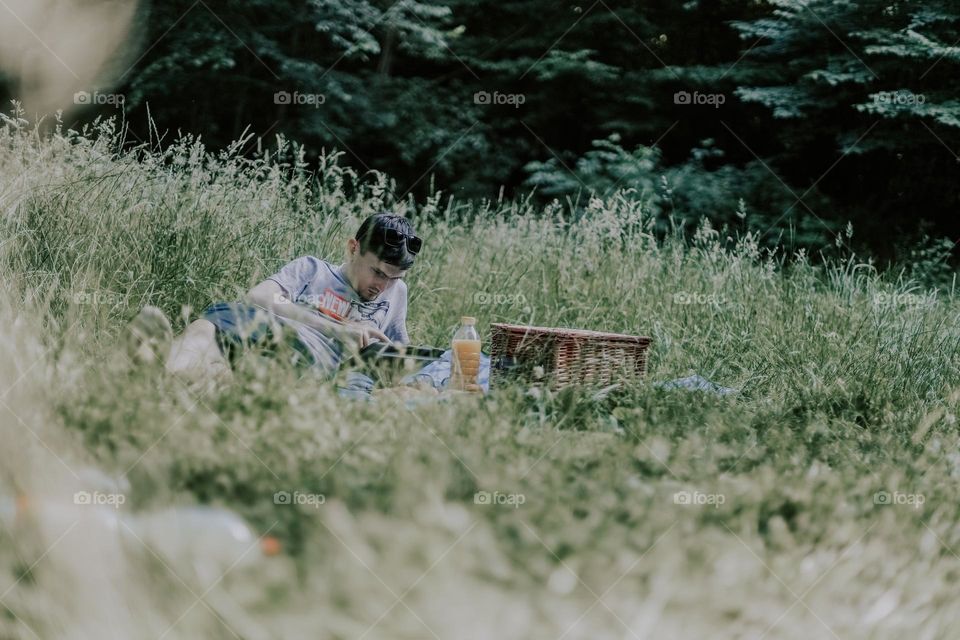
(371,238)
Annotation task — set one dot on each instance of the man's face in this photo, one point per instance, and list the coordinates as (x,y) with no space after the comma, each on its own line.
(369,275)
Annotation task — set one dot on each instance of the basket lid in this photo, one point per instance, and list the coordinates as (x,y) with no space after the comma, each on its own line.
(571,333)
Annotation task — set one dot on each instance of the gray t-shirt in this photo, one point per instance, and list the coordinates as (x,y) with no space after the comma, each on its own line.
(324,287)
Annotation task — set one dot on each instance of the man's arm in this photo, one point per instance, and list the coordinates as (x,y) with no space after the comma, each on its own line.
(270,296)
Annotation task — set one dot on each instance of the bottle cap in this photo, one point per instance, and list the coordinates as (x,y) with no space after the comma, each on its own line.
(468,320)
(270,545)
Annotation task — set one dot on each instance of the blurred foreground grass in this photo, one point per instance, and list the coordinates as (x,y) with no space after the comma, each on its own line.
(820,501)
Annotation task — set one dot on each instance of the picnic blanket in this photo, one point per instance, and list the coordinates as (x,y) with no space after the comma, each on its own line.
(358,385)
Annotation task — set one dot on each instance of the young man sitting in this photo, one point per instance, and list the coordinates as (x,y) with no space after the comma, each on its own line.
(323,311)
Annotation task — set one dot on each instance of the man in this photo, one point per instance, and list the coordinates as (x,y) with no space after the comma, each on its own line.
(322,310)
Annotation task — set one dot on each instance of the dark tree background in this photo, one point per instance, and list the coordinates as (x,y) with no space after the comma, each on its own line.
(790,118)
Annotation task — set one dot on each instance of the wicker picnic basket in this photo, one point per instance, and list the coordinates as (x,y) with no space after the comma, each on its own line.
(562,357)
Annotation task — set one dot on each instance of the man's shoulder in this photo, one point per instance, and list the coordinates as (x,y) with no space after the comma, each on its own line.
(318,267)
(310,274)
(400,291)
(314,260)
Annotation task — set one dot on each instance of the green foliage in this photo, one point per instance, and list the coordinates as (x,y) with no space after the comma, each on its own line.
(602,170)
(847,381)
(852,105)
(748,198)
(927,262)
(839,51)
(876,81)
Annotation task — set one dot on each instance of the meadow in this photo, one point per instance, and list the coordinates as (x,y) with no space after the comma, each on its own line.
(819,501)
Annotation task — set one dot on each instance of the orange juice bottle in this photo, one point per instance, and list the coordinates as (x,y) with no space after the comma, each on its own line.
(465,359)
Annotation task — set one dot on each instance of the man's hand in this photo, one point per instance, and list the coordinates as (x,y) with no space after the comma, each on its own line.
(363,334)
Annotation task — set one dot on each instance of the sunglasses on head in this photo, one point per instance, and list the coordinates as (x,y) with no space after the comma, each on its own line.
(395,238)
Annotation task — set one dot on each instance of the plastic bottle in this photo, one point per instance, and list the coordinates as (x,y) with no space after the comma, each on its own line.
(201,533)
(465,359)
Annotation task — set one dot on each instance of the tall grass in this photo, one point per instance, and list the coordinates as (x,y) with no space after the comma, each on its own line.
(847,380)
